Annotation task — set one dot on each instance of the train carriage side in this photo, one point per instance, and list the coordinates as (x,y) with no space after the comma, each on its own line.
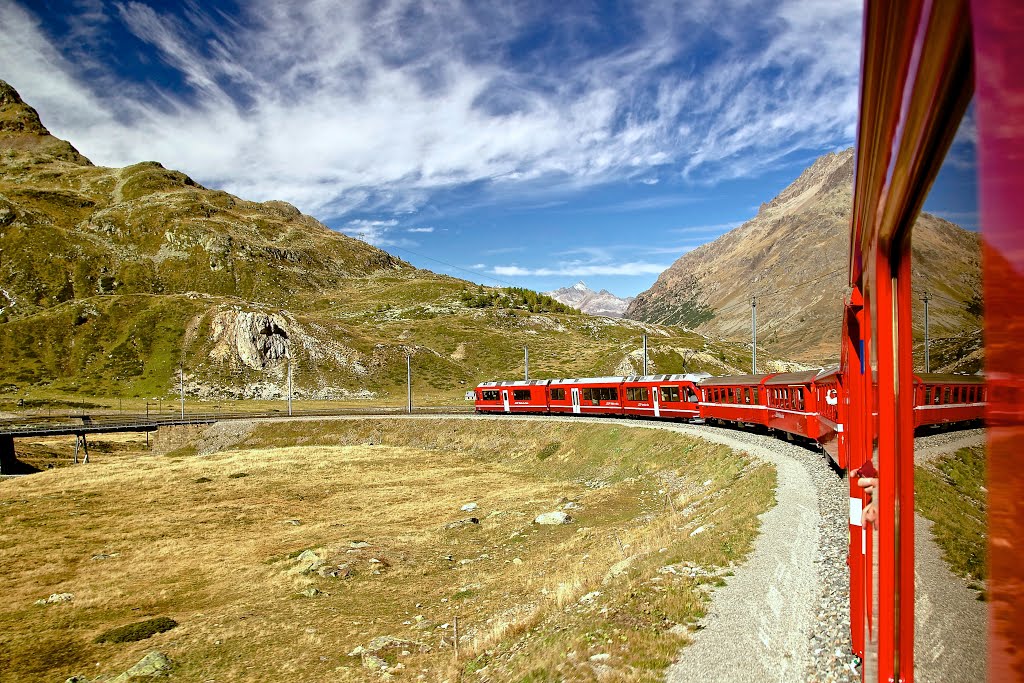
(791,403)
(586,396)
(948,399)
(828,427)
(520,396)
(662,396)
(738,399)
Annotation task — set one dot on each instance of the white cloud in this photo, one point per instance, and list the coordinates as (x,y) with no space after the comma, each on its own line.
(583,270)
(425,230)
(380,105)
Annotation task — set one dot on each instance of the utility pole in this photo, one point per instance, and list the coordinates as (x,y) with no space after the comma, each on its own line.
(753,335)
(645,355)
(927,358)
(181,385)
(289,356)
(526,363)
(408,380)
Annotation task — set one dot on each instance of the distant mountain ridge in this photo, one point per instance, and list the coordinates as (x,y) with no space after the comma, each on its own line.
(582,298)
(793,257)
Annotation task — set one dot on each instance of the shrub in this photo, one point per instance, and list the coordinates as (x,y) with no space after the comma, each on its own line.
(139,631)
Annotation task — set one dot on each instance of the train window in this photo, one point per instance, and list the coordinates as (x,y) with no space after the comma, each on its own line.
(490,395)
(558,394)
(927,395)
(520,394)
(746,395)
(638,394)
(670,393)
(946,395)
(609,394)
(936,395)
(691,397)
(589,395)
(757,398)
(799,403)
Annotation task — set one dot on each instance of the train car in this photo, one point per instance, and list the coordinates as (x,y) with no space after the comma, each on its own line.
(948,399)
(791,402)
(739,399)
(521,396)
(662,396)
(586,396)
(828,397)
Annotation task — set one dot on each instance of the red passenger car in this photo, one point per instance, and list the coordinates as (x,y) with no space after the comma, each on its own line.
(512,397)
(948,399)
(734,399)
(791,403)
(828,397)
(662,396)
(586,396)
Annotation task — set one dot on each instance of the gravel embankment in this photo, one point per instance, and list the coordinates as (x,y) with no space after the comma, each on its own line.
(814,645)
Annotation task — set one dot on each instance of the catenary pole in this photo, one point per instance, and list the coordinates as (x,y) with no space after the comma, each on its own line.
(408,381)
(927,355)
(289,384)
(526,363)
(645,355)
(181,386)
(753,335)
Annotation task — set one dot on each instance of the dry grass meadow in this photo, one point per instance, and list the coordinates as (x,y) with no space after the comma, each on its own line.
(205,529)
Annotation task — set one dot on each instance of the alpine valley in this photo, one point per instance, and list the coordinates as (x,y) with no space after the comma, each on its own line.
(114,280)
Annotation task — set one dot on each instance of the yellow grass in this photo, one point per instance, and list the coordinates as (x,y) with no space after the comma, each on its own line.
(216,556)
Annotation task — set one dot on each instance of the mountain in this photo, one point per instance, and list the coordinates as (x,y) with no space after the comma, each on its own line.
(582,298)
(115,280)
(793,257)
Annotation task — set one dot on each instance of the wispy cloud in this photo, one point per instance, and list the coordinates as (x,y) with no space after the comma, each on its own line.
(704,229)
(381,105)
(582,270)
(423,230)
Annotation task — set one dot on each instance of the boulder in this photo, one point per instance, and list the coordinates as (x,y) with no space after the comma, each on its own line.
(307,561)
(152,665)
(556,517)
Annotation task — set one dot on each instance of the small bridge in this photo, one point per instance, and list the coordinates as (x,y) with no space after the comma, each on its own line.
(83,424)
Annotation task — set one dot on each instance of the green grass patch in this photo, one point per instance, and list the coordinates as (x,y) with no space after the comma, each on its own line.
(951,493)
(139,631)
(549,450)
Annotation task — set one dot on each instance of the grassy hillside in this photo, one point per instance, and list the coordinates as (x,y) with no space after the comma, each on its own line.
(350,342)
(111,279)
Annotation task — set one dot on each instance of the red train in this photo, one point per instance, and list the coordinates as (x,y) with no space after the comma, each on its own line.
(809,406)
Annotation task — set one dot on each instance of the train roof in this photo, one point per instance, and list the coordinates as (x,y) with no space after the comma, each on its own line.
(589,380)
(517,383)
(801,377)
(688,377)
(937,378)
(732,380)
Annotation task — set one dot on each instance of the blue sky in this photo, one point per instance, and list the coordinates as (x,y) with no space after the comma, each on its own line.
(525,143)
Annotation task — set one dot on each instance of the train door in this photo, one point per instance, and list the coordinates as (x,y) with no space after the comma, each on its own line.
(657,402)
(504,398)
(576,400)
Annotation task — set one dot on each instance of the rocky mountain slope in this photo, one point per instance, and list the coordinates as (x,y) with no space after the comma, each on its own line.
(113,279)
(583,298)
(793,257)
